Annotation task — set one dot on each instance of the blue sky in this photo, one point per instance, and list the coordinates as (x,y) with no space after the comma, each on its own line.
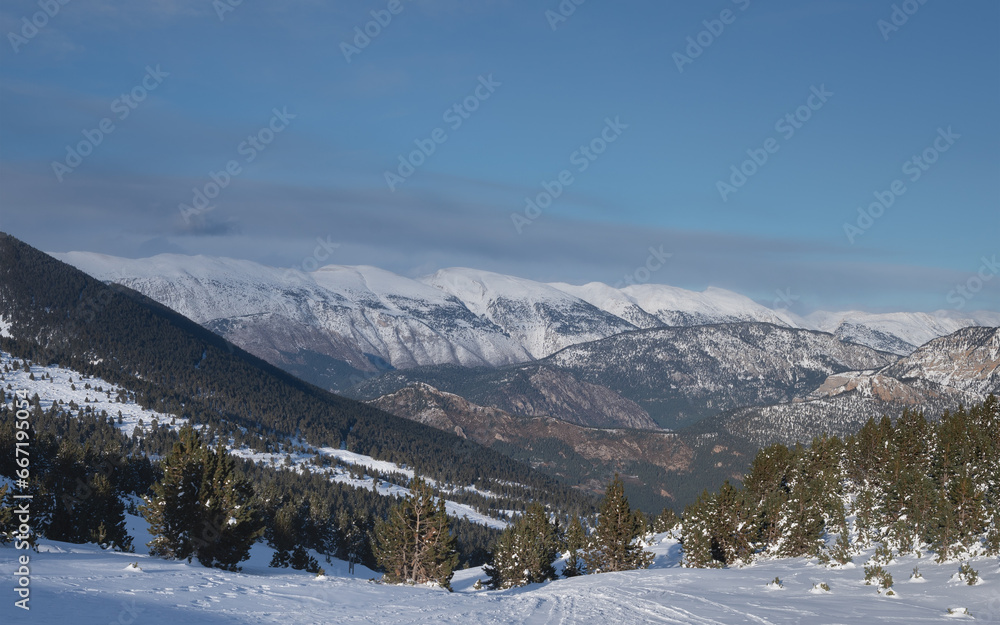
(550,82)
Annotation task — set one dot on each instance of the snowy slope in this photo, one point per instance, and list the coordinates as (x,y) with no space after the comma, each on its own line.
(611,300)
(82,585)
(541,317)
(680,307)
(58,384)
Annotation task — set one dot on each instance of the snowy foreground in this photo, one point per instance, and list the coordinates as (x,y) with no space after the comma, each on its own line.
(82,585)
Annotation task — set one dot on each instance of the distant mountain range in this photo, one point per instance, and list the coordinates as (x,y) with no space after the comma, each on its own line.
(671,376)
(674,389)
(961,368)
(339,325)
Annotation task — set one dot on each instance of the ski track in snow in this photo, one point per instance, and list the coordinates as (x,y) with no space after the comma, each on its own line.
(82,585)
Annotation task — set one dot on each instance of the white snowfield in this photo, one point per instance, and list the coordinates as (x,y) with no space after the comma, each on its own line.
(82,585)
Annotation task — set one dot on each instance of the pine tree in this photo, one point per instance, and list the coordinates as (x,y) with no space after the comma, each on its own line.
(7,525)
(201,508)
(576,542)
(105,506)
(353,539)
(281,535)
(767,486)
(803,517)
(526,550)
(730,526)
(414,545)
(507,568)
(666,521)
(613,546)
(700,548)
(173,511)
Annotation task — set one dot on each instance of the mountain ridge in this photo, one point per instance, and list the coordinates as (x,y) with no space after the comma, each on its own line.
(340,324)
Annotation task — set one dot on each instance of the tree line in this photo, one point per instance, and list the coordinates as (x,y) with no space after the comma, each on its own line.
(907,486)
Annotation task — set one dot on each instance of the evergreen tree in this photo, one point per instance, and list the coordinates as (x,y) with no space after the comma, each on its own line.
(414,545)
(730,524)
(700,548)
(666,521)
(576,542)
(812,488)
(7,525)
(613,546)
(354,539)
(526,550)
(173,511)
(767,487)
(201,508)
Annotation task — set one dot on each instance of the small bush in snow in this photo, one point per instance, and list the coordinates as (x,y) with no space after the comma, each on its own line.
(883,554)
(876,575)
(968,574)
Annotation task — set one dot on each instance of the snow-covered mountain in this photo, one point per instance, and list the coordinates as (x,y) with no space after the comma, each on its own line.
(541,317)
(674,376)
(967,360)
(363,316)
(899,333)
(674,306)
(339,324)
(961,368)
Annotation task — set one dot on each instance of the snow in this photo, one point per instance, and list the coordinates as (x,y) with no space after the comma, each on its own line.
(714,305)
(541,317)
(5,326)
(477,289)
(83,585)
